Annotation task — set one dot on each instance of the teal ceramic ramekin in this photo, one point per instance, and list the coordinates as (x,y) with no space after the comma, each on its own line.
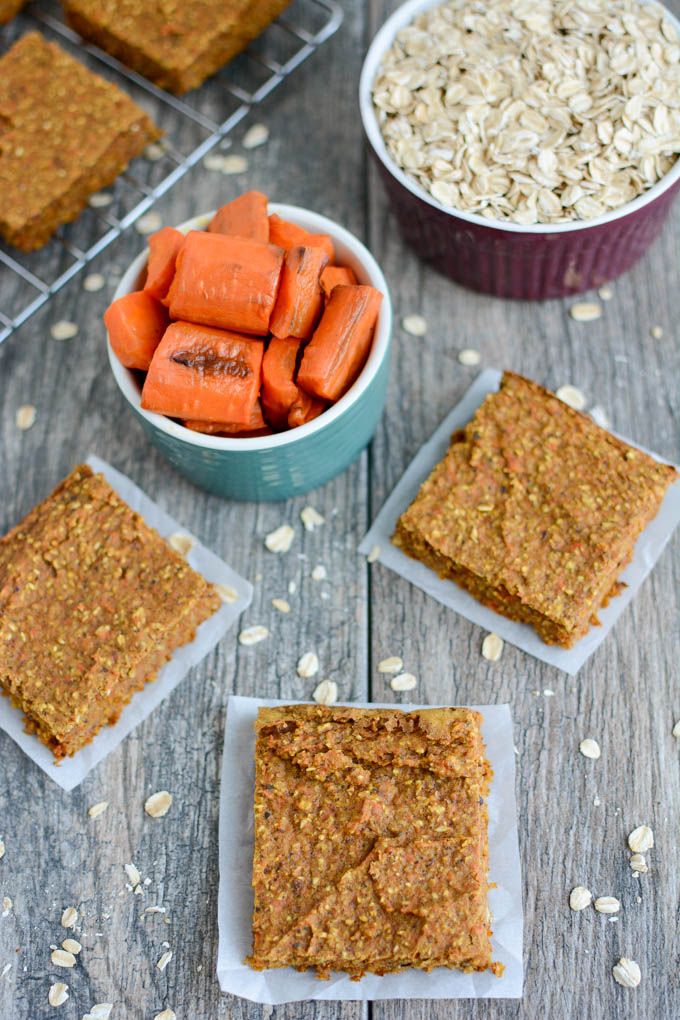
(289,463)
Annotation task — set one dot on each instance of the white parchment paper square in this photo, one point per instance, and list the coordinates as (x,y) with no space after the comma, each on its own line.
(648,548)
(235,900)
(72,771)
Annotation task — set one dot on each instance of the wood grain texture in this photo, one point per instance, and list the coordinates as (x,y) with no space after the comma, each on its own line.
(627,695)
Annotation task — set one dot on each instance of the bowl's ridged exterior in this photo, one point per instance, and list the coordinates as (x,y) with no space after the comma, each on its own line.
(283,471)
(524,265)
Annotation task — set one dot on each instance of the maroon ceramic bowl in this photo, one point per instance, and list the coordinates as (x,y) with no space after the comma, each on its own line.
(507,259)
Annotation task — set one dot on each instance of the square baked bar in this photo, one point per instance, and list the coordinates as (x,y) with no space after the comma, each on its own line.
(66,133)
(93,602)
(535,510)
(177,43)
(371,842)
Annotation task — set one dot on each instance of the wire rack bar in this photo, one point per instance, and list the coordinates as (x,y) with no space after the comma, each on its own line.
(114,225)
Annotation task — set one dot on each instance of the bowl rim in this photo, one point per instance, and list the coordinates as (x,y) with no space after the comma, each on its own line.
(402,17)
(315,223)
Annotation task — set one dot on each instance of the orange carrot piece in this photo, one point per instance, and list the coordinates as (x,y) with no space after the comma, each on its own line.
(228,282)
(305,409)
(299,302)
(211,428)
(334,276)
(164,246)
(136,322)
(288,235)
(336,353)
(246,216)
(204,375)
(279,390)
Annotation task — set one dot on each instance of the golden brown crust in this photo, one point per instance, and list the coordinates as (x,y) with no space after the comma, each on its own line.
(8,8)
(535,510)
(92,603)
(175,43)
(371,846)
(66,134)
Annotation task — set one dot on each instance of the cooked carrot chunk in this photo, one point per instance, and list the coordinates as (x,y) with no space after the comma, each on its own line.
(164,246)
(204,374)
(333,276)
(305,409)
(299,302)
(279,390)
(228,282)
(211,428)
(288,235)
(337,351)
(136,322)
(246,216)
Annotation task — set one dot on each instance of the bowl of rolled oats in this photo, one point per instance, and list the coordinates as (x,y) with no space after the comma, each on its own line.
(529,147)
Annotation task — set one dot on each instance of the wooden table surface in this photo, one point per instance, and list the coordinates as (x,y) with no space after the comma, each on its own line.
(574,814)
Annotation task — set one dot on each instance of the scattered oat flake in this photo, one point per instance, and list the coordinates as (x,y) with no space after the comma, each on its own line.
(492,647)
(234,165)
(62,958)
(280,540)
(71,946)
(599,416)
(580,898)
(166,1014)
(319,573)
(571,396)
(607,905)
(547,693)
(25,417)
(675,731)
(393,664)
(308,665)
(98,809)
(155,910)
(311,518)
(589,748)
(69,917)
(416,325)
(326,693)
(181,543)
(255,136)
(253,635)
(641,839)
(403,682)
(149,223)
(585,311)
(6,905)
(164,960)
(638,864)
(214,161)
(2,849)
(469,357)
(58,994)
(100,199)
(158,804)
(373,554)
(656,332)
(5,970)
(154,152)
(94,282)
(606,293)
(227,593)
(100,1011)
(627,973)
(133,875)
(282,605)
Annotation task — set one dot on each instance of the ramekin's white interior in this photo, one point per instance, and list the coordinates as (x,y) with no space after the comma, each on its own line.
(402,17)
(350,252)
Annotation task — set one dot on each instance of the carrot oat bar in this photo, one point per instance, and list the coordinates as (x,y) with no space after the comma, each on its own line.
(371,844)
(66,133)
(178,43)
(93,602)
(8,8)
(535,510)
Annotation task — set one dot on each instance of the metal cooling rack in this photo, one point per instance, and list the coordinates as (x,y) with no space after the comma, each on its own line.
(194,125)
